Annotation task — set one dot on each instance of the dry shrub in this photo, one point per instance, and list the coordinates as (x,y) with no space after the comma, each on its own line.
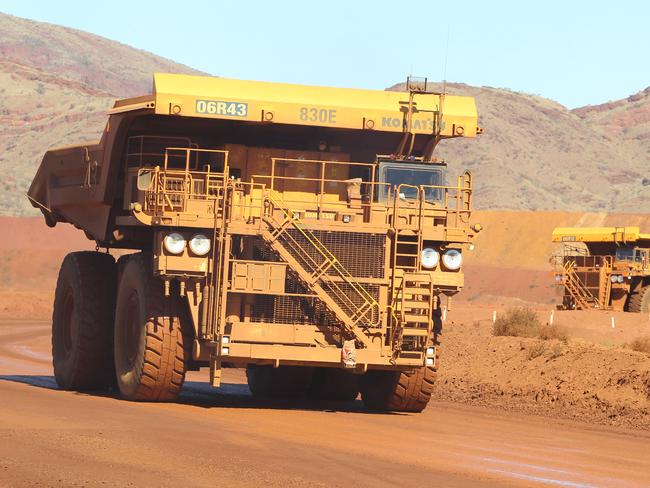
(640,344)
(517,322)
(536,350)
(556,351)
(554,332)
(524,322)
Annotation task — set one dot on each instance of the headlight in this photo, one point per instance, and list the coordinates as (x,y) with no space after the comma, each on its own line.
(613,278)
(620,278)
(452,259)
(174,243)
(200,245)
(429,258)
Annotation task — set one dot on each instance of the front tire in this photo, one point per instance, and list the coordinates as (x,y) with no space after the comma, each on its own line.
(408,391)
(149,353)
(639,301)
(82,322)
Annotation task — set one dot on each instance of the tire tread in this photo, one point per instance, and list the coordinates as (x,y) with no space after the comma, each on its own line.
(162,370)
(93,363)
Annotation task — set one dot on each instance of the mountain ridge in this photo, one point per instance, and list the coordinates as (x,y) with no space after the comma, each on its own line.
(56,84)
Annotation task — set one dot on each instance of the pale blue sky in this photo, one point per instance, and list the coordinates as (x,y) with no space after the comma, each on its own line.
(574,52)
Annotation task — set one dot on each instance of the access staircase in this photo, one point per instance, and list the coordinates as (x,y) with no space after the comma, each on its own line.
(320,270)
(579,293)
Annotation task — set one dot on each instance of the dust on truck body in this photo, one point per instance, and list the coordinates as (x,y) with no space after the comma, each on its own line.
(306,233)
(606,268)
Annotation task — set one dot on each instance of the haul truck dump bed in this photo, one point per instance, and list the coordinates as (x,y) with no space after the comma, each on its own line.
(306,233)
(603,267)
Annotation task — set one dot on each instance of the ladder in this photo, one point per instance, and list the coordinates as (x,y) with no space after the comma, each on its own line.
(605,285)
(319,270)
(222,241)
(413,309)
(407,250)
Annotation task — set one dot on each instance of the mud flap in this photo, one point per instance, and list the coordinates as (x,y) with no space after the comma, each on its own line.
(215,371)
(349,354)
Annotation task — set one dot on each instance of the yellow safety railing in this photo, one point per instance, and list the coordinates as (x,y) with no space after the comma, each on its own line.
(318,271)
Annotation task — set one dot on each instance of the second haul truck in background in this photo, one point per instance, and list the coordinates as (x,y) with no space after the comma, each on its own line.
(607,268)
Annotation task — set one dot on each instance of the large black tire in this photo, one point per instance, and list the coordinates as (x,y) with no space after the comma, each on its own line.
(639,301)
(334,384)
(285,382)
(149,353)
(82,322)
(397,391)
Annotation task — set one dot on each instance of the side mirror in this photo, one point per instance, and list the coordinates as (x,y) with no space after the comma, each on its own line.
(145,177)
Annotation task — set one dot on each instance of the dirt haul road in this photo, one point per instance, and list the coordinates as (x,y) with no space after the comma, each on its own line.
(56,438)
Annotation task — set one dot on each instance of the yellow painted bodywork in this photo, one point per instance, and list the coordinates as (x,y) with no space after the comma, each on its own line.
(622,235)
(182,95)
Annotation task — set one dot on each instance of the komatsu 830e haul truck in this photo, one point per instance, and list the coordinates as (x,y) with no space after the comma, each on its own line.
(305,233)
(607,268)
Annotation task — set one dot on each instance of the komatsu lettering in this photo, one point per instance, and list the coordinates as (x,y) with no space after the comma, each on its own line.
(417,124)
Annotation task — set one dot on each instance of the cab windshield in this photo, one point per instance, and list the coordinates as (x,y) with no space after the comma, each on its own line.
(628,254)
(414,176)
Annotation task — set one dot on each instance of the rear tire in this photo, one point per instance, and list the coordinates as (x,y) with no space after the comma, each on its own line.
(398,391)
(149,353)
(334,384)
(283,382)
(82,322)
(639,301)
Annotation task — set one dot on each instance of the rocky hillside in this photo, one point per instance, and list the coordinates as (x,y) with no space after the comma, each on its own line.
(536,154)
(628,120)
(56,83)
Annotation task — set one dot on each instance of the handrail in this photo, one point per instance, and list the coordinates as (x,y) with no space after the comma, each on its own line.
(346,163)
(319,271)
(397,198)
(576,288)
(455,199)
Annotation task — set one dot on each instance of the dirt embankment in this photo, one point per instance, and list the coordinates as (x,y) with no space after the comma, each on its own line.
(519,239)
(30,256)
(592,377)
(510,262)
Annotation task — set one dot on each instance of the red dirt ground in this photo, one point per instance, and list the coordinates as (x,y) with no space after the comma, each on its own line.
(225,438)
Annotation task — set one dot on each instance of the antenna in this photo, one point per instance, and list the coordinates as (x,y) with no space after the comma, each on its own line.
(444,71)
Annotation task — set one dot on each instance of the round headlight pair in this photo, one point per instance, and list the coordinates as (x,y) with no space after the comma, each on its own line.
(616,278)
(451,258)
(175,244)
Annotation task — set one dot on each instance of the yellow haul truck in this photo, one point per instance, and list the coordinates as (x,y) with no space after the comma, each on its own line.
(306,233)
(603,267)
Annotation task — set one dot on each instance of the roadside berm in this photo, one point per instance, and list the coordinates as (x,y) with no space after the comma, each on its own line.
(577,378)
